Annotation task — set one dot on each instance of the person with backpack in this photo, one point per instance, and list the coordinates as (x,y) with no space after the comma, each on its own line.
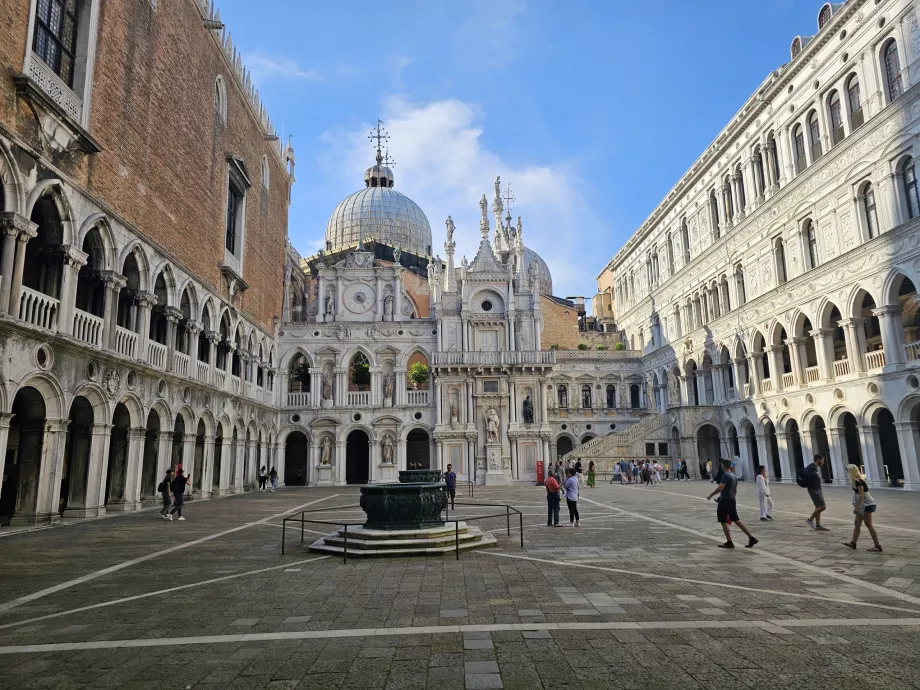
(810,478)
(763,493)
(165,494)
(863,508)
(571,497)
(263,477)
(273,478)
(552,501)
(178,491)
(727,507)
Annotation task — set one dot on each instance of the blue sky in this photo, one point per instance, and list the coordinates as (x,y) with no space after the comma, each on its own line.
(591,110)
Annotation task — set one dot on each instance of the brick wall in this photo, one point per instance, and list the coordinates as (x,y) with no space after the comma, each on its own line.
(163,165)
(560,325)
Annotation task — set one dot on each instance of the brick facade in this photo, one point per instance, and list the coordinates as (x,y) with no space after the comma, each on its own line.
(560,325)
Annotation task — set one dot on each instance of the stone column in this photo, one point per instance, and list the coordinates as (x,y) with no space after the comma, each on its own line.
(26,233)
(823,351)
(907,444)
(51,472)
(376,386)
(134,468)
(164,454)
(854,335)
(892,329)
(74,260)
(206,480)
(761,441)
(872,464)
(146,302)
(341,387)
(747,464)
(226,457)
(399,387)
(193,328)
(737,370)
(775,355)
(316,387)
(797,355)
(113,285)
(5,420)
(782,444)
(173,316)
(340,450)
(835,446)
(755,373)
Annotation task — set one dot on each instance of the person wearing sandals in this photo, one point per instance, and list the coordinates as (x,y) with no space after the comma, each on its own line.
(863,508)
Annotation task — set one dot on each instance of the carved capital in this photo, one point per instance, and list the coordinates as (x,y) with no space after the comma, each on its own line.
(173,314)
(194,327)
(19,226)
(73,257)
(113,280)
(146,299)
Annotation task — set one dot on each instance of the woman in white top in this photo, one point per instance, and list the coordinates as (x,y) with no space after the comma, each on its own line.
(863,508)
(763,493)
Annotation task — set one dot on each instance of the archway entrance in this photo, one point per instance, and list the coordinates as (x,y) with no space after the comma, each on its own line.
(889,450)
(117,471)
(357,458)
(149,479)
(707,445)
(851,440)
(23,462)
(820,445)
(76,459)
(418,450)
(563,446)
(295,459)
(795,445)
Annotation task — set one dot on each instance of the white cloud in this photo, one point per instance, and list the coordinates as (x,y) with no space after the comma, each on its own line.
(264,67)
(444,166)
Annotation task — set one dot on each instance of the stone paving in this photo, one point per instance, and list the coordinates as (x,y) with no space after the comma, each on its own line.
(639,596)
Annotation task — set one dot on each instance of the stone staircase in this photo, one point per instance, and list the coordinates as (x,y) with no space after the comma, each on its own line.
(429,541)
(627,443)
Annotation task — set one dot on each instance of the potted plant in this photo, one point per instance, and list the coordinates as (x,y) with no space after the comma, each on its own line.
(418,374)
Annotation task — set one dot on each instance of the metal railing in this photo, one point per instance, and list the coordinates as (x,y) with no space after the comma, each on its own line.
(345,525)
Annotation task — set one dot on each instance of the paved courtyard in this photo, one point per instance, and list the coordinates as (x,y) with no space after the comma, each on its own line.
(638,597)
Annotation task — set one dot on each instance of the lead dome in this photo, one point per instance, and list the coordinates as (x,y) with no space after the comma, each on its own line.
(544,277)
(379,213)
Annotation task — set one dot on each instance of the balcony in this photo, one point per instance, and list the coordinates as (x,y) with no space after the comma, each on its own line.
(87,328)
(220,379)
(156,354)
(417,397)
(841,367)
(298,399)
(181,364)
(495,358)
(235,384)
(766,386)
(38,309)
(812,374)
(912,351)
(358,398)
(788,380)
(125,342)
(204,371)
(875,359)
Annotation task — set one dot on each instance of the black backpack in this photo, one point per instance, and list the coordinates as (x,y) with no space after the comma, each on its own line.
(162,487)
(801,479)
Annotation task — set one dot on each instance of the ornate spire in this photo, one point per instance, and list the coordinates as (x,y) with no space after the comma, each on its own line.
(449,247)
(484,220)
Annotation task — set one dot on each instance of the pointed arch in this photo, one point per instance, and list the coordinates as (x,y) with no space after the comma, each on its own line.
(135,409)
(96,397)
(293,354)
(349,355)
(165,270)
(13,185)
(407,355)
(891,286)
(136,250)
(188,287)
(100,222)
(54,190)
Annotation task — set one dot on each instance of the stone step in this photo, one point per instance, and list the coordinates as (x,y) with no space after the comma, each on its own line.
(434,532)
(484,541)
(338,540)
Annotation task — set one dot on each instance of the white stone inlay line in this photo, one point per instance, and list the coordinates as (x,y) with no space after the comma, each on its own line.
(894,594)
(134,561)
(720,585)
(775,626)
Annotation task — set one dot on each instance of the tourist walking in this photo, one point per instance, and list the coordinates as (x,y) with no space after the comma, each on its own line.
(592,474)
(709,469)
(683,470)
(571,497)
(263,477)
(863,508)
(727,507)
(667,471)
(579,473)
(810,478)
(273,478)
(450,479)
(552,501)
(164,490)
(177,486)
(763,493)
(617,473)
(657,473)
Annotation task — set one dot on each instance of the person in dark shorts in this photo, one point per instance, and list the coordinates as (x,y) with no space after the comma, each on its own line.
(864,507)
(727,508)
(165,494)
(178,490)
(812,477)
(450,479)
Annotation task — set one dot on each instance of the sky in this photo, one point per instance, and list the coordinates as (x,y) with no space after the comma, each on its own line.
(591,110)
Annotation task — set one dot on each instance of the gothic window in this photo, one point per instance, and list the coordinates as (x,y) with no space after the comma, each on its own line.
(811,243)
(893,70)
(798,146)
(871,213)
(586,396)
(814,134)
(611,396)
(909,175)
(824,16)
(234,202)
(856,112)
(796,47)
(237,184)
(714,214)
(563,395)
(55,39)
(685,238)
(779,255)
(833,104)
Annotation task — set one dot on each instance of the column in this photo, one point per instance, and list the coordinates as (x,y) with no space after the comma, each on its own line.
(739,205)
(134,467)
(5,420)
(113,285)
(808,445)
(173,316)
(544,418)
(782,444)
(205,482)
(376,387)
(74,260)
(854,334)
(439,455)
(892,329)
(188,456)
(764,456)
(747,466)
(339,394)
(12,226)
(438,406)
(739,379)
(340,450)
(51,472)
(755,374)
(316,387)
(145,301)
(15,279)
(775,355)
(321,299)
(907,435)
(226,457)
(164,454)
(823,350)
(401,454)
(835,446)
(193,328)
(797,356)
(399,387)
(718,385)
(872,464)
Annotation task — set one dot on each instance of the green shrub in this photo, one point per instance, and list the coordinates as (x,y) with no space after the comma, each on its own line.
(582,346)
(619,346)
(554,346)
(603,347)
(418,373)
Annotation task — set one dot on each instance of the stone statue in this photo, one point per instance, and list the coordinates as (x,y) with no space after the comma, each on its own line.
(330,305)
(650,394)
(396,254)
(498,188)
(327,388)
(388,305)
(388,388)
(492,423)
(326,456)
(673,392)
(387,445)
(454,412)
(624,397)
(484,212)
(450,229)
(528,410)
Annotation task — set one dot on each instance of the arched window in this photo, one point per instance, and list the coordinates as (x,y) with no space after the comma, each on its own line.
(779,255)
(714,214)
(611,396)
(796,47)
(909,177)
(685,238)
(824,16)
(220,99)
(870,211)
(563,396)
(855,100)
(814,134)
(586,396)
(798,147)
(893,70)
(811,243)
(834,106)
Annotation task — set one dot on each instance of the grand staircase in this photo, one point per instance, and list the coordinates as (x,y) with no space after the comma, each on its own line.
(629,443)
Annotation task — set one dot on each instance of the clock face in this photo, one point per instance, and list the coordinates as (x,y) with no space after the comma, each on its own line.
(359,299)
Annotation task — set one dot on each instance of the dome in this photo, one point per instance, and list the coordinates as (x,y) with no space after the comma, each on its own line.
(543,274)
(379,213)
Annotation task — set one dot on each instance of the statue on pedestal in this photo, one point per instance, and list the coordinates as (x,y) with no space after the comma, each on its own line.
(454,412)
(387,445)
(330,305)
(388,305)
(492,422)
(528,410)
(327,387)
(326,456)
(388,388)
